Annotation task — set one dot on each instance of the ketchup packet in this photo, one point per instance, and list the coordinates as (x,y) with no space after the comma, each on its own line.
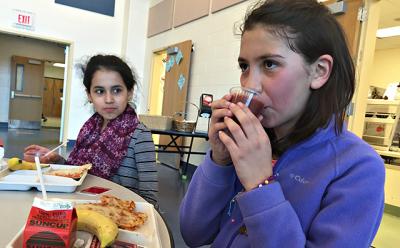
(50,224)
(95,190)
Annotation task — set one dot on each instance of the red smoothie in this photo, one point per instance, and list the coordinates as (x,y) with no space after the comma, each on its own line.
(255,105)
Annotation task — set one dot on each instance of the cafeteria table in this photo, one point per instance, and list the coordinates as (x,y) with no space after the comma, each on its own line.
(179,149)
(15,207)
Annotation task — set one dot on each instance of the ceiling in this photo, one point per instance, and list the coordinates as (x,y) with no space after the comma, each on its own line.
(390,16)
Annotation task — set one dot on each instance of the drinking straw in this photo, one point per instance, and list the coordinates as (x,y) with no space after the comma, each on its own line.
(249,99)
(54,149)
(39,172)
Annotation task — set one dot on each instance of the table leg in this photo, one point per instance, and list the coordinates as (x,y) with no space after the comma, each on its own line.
(184,176)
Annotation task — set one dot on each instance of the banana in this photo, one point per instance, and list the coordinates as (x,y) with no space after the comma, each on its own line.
(102,226)
(19,164)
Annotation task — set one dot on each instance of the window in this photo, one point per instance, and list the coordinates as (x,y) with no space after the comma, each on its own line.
(19,78)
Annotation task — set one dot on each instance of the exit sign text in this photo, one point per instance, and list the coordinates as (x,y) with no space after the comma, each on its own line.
(23,19)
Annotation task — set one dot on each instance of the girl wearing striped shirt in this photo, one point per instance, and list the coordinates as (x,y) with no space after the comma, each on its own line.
(113,140)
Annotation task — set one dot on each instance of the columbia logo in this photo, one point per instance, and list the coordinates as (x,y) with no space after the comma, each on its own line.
(299,178)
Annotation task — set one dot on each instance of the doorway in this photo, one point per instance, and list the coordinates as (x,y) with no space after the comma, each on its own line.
(157,86)
(168,90)
(47,50)
(53,90)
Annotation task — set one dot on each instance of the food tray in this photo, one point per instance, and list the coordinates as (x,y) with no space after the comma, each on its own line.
(26,179)
(146,236)
(3,164)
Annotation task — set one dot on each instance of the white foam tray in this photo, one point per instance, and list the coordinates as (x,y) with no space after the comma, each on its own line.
(147,235)
(26,179)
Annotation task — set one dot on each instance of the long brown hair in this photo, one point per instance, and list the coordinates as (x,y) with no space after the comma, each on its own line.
(311,31)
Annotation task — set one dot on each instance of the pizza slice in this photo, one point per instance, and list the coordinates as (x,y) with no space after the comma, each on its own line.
(73,172)
(122,212)
(110,200)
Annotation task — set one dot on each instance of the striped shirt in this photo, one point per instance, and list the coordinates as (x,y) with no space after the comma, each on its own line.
(138,169)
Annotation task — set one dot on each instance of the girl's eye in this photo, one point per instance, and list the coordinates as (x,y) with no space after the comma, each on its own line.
(269,64)
(243,66)
(98,91)
(116,90)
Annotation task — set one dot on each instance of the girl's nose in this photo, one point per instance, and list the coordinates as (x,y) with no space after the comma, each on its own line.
(109,97)
(253,81)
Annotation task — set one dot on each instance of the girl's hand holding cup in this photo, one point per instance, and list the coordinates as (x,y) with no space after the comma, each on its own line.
(220,109)
(248,143)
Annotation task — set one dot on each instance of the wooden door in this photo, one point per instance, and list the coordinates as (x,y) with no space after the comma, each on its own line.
(48,97)
(52,93)
(25,105)
(57,96)
(350,23)
(175,87)
(175,94)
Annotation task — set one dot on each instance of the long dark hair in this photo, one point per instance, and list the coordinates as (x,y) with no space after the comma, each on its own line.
(111,63)
(311,31)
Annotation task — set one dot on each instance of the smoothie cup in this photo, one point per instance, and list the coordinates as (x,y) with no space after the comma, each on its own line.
(248,97)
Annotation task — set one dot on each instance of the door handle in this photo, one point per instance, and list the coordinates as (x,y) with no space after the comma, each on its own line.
(27,96)
(12,94)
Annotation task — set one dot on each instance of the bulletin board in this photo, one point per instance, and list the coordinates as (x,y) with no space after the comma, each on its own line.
(160,17)
(218,5)
(190,10)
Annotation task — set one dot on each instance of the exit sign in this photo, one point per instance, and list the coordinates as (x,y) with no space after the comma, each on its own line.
(23,19)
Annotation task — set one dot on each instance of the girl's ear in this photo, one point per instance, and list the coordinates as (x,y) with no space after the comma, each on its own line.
(89,97)
(130,95)
(321,71)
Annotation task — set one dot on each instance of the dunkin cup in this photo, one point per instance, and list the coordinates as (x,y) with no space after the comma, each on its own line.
(248,97)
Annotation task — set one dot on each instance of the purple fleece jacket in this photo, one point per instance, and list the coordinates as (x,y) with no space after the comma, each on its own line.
(329,192)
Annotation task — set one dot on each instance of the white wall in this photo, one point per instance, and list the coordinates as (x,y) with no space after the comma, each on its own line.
(214,60)
(136,43)
(386,67)
(89,32)
(12,45)
(214,66)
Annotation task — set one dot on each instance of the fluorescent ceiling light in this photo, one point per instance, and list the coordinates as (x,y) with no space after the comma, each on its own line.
(59,65)
(388,32)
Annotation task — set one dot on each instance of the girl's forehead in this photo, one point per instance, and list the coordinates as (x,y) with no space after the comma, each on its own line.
(107,78)
(106,74)
(283,33)
(263,41)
